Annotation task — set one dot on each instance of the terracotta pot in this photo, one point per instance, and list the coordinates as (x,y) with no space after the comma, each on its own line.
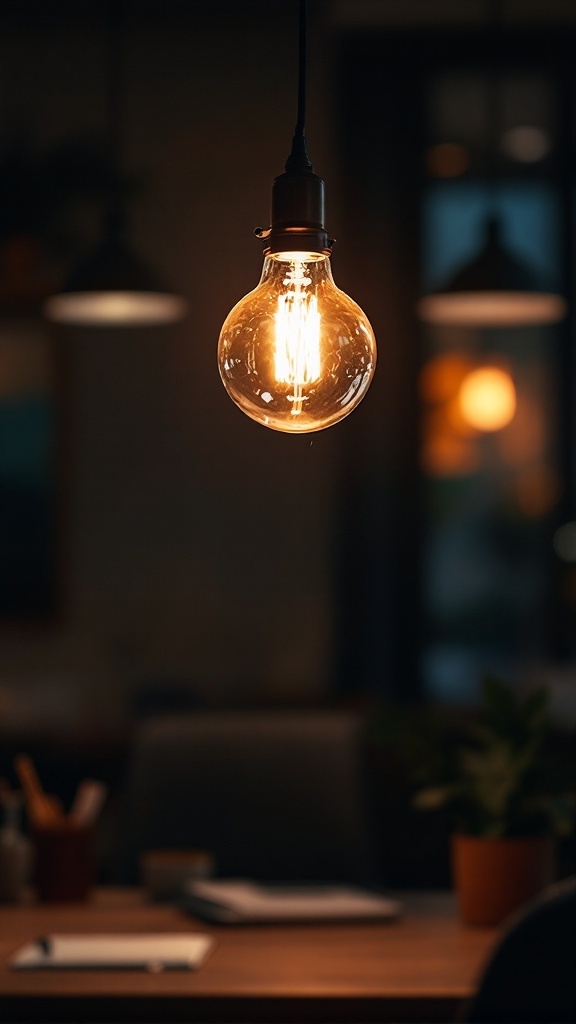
(494,877)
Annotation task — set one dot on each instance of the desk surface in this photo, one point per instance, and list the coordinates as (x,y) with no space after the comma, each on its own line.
(419,968)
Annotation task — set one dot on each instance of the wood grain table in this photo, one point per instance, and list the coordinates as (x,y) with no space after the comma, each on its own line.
(419,968)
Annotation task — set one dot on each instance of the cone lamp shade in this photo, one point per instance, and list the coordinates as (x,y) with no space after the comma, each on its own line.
(496,289)
(114,288)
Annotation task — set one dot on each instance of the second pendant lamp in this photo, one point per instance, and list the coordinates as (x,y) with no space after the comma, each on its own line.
(113,287)
(496,289)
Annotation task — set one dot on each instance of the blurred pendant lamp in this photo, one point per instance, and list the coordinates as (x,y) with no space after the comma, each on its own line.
(297,354)
(497,288)
(113,287)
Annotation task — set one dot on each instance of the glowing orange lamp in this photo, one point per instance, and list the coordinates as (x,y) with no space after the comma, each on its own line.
(487,398)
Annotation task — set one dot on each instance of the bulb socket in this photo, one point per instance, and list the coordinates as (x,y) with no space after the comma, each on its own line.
(297,215)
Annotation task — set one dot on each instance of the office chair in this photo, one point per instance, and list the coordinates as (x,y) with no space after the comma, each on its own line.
(530,978)
(274,796)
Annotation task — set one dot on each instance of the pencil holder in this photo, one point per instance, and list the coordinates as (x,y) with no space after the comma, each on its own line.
(64,862)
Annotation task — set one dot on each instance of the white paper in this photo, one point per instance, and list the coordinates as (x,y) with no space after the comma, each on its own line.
(152,952)
(251,902)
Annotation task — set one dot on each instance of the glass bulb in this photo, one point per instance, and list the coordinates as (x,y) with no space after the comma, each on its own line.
(296,354)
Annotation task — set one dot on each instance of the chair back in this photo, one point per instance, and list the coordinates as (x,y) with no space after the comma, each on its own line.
(275,796)
(529,978)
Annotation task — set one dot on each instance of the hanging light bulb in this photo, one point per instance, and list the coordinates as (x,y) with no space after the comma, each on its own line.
(297,354)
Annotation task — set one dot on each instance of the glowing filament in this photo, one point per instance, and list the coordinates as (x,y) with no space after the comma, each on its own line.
(297,341)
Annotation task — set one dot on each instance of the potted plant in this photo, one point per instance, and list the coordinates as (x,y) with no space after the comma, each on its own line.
(507,800)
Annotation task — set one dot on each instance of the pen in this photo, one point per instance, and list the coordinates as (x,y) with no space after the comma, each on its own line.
(88,802)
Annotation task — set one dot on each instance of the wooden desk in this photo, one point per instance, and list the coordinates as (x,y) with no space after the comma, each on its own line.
(415,969)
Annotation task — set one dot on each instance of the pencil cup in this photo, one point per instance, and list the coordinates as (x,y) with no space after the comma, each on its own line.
(64,856)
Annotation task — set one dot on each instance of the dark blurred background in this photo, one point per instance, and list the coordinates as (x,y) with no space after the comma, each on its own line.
(159,551)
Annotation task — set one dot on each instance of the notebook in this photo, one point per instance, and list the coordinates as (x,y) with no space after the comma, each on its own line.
(235,901)
(150,952)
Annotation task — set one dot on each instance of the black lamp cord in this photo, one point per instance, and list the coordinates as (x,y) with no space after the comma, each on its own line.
(494,92)
(298,161)
(115,38)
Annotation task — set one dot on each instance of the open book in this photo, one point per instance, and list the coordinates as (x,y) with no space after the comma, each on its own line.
(235,901)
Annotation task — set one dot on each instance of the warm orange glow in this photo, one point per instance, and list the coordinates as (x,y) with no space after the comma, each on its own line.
(487,398)
(441,377)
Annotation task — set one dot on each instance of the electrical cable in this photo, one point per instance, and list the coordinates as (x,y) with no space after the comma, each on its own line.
(298,160)
(302,61)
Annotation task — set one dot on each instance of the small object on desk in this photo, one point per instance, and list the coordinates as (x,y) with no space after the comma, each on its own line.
(239,901)
(179,951)
(63,843)
(15,849)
